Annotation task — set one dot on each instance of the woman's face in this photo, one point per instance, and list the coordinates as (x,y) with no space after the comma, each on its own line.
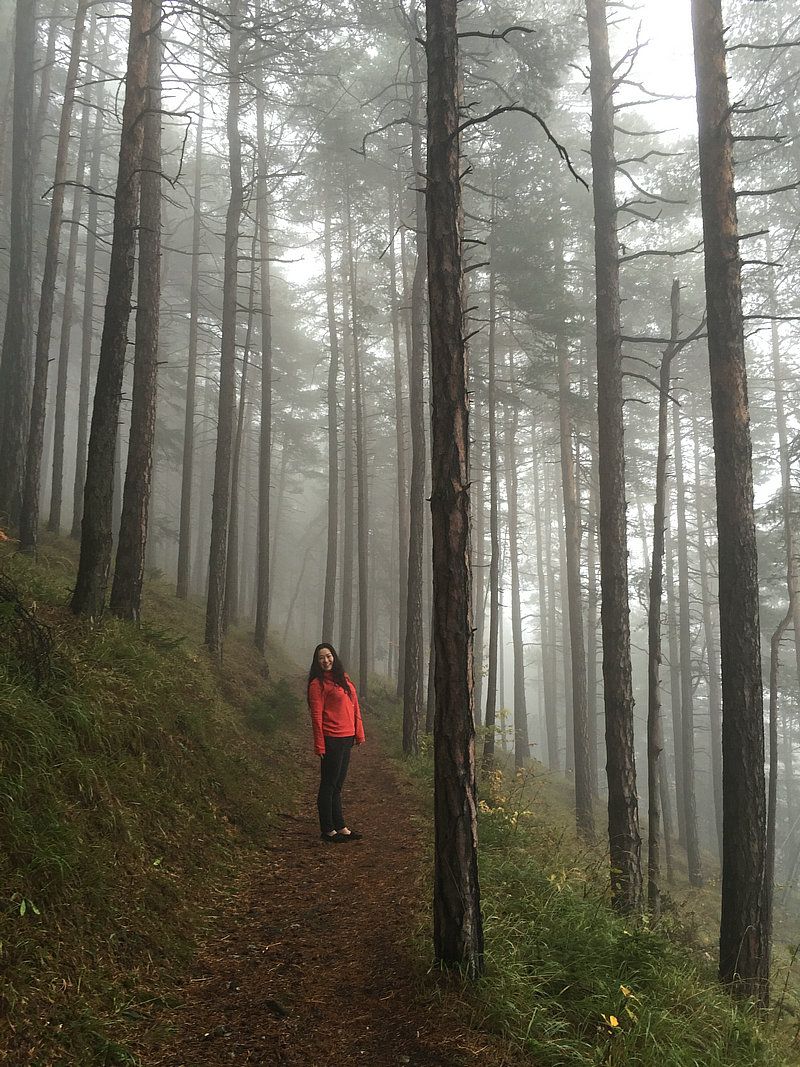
(325,659)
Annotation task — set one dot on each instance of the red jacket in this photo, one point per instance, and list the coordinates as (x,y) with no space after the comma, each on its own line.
(333,712)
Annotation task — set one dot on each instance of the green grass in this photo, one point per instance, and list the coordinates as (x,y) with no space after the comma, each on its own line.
(567,979)
(135,782)
(140,778)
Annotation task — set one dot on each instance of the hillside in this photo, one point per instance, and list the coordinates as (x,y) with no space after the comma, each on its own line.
(168,901)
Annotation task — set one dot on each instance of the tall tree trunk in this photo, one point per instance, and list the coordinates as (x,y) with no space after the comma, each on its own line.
(98,499)
(29,517)
(546,633)
(623,814)
(67,317)
(692,840)
(521,742)
(458,932)
(654,609)
(265,431)
(412,692)
(329,601)
(478,495)
(16,354)
(227,371)
(126,590)
(584,814)
(349,517)
(490,719)
(401,439)
(780,375)
(712,651)
(362,500)
(746,888)
(188,458)
(87,318)
(46,77)
(233,555)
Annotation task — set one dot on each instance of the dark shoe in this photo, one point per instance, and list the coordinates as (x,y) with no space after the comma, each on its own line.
(333,838)
(354,835)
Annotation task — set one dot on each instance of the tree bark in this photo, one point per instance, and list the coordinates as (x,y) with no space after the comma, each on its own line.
(126,589)
(623,814)
(458,932)
(744,924)
(17,351)
(98,507)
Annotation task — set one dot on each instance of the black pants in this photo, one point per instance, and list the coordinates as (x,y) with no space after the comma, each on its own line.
(333,771)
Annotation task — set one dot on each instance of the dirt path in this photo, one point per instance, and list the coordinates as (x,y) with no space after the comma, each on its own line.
(309,965)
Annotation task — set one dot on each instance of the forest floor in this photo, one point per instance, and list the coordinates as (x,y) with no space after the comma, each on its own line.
(311,962)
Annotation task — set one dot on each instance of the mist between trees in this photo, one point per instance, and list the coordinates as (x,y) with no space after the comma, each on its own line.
(218,338)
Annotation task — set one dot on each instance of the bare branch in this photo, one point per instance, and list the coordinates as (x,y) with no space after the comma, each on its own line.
(767,192)
(532,114)
(646,156)
(671,253)
(763,47)
(497,35)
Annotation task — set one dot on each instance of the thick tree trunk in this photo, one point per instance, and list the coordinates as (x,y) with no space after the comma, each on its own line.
(98,499)
(744,924)
(126,590)
(623,813)
(458,933)
(17,351)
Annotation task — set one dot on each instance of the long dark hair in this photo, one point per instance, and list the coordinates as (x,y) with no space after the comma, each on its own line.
(337,670)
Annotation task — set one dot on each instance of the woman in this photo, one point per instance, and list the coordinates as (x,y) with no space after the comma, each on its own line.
(336,722)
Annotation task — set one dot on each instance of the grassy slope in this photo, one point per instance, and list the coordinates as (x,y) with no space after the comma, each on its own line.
(141,777)
(133,784)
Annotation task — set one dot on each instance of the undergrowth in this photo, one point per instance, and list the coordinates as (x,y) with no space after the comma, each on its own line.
(135,781)
(138,779)
(568,980)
